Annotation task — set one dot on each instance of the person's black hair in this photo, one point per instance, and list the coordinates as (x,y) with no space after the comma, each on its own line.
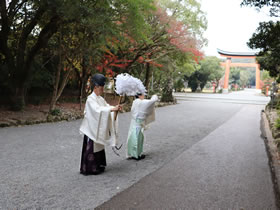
(97,80)
(138,94)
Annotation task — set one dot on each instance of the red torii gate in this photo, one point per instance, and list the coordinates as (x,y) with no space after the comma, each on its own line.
(229,64)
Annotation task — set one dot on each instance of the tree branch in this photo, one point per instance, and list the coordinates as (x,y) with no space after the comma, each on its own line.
(4,27)
(14,7)
(42,41)
(25,33)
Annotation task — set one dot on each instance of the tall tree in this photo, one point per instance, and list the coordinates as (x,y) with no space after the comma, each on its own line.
(185,24)
(216,71)
(266,38)
(234,76)
(173,35)
(244,78)
(27,26)
(208,70)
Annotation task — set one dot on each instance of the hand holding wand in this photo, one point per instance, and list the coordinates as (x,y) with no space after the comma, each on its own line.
(119,108)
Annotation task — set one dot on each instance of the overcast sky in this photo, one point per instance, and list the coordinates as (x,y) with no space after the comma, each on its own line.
(229,25)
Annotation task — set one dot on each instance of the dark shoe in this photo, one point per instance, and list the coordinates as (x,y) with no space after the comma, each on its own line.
(101,168)
(139,158)
(134,158)
(142,157)
(96,172)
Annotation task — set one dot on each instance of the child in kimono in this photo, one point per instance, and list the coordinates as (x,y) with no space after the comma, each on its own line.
(142,114)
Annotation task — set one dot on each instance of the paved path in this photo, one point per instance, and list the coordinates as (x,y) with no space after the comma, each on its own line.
(40,163)
(249,96)
(228,169)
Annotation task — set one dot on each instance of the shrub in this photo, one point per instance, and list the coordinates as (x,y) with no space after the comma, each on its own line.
(55,112)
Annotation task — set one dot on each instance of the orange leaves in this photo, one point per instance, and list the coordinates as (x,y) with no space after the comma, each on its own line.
(116,58)
(141,59)
(109,61)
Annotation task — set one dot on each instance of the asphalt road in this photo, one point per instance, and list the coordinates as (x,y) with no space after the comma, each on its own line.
(40,163)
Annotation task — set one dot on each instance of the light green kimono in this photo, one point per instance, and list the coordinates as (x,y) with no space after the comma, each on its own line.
(135,139)
(143,113)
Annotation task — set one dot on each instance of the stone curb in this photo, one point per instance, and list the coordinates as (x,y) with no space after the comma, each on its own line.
(66,115)
(47,119)
(273,155)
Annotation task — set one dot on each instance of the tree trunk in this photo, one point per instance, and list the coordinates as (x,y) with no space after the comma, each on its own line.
(56,78)
(58,89)
(84,78)
(55,87)
(217,85)
(167,91)
(147,76)
(83,92)
(18,99)
(81,95)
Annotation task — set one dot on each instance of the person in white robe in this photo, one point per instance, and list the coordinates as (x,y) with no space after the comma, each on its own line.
(98,127)
(142,114)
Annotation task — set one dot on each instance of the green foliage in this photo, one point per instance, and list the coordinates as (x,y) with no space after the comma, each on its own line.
(179,85)
(181,17)
(277,123)
(36,100)
(18,104)
(55,112)
(42,78)
(252,78)
(244,78)
(134,13)
(234,76)
(274,103)
(267,40)
(188,12)
(167,94)
(211,64)
(31,26)
(193,82)
(38,34)
(209,69)
(272,4)
(265,75)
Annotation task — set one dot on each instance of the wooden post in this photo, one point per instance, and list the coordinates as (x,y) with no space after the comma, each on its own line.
(258,75)
(228,62)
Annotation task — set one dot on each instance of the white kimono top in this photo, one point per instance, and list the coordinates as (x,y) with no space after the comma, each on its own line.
(144,109)
(98,123)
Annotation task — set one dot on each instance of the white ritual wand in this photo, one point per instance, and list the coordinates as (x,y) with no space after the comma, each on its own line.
(128,85)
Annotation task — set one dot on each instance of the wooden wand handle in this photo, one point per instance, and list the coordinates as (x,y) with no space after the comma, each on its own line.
(116,112)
